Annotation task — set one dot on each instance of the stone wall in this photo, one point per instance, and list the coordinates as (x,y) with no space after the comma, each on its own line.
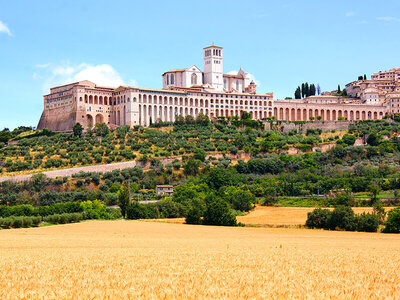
(323,125)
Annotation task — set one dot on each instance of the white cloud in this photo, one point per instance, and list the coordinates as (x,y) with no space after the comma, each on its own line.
(4,28)
(388,19)
(349,14)
(64,73)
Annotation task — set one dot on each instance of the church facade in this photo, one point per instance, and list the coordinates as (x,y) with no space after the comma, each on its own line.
(191,91)
(185,92)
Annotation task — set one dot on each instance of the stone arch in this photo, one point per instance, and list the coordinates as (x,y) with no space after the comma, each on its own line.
(140,114)
(89,121)
(298,115)
(304,114)
(334,115)
(369,115)
(287,114)
(105,100)
(90,99)
(124,116)
(96,100)
(322,114)
(363,117)
(357,115)
(99,118)
(293,115)
(280,114)
(165,119)
(328,115)
(375,115)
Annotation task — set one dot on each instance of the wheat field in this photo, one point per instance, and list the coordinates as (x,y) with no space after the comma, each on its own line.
(284,216)
(152,260)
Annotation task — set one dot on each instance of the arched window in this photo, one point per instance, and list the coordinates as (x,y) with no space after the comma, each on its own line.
(194,79)
(172,79)
(237,85)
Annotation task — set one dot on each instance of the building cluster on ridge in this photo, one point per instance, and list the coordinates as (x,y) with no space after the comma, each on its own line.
(192,92)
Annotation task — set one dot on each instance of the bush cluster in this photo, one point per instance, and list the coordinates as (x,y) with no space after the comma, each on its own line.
(64,218)
(342,218)
(20,221)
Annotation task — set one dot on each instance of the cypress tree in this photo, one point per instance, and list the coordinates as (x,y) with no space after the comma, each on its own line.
(297,93)
(303,90)
(307,89)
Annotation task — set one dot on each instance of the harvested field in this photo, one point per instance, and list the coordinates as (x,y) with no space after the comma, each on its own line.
(283,216)
(133,259)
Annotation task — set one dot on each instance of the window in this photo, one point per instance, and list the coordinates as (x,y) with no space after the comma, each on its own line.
(172,79)
(167,79)
(194,79)
(237,85)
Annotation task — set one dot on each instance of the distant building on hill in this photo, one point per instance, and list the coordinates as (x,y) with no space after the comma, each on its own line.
(164,189)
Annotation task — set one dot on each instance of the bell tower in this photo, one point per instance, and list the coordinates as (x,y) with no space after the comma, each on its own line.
(213,67)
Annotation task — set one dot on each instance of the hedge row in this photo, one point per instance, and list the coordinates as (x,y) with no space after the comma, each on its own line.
(21,221)
(64,218)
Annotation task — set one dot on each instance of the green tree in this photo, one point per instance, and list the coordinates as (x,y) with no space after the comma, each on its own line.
(77,129)
(342,217)
(392,224)
(372,140)
(297,93)
(242,200)
(180,120)
(307,89)
(202,119)
(199,154)
(246,115)
(218,213)
(349,139)
(312,89)
(338,89)
(192,167)
(374,190)
(123,199)
(101,129)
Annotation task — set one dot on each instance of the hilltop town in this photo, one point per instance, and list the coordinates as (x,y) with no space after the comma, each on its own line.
(191,91)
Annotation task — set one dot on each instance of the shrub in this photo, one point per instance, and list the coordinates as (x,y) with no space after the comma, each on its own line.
(392,224)
(136,211)
(367,222)
(318,218)
(218,213)
(64,218)
(194,215)
(342,217)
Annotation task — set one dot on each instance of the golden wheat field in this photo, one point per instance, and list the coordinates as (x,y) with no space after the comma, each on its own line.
(149,260)
(284,216)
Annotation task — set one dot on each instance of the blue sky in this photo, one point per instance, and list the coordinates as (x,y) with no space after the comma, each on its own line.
(281,43)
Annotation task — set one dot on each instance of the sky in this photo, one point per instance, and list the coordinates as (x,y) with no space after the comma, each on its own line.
(280,43)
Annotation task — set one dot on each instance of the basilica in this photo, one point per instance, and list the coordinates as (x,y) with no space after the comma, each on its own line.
(192,91)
